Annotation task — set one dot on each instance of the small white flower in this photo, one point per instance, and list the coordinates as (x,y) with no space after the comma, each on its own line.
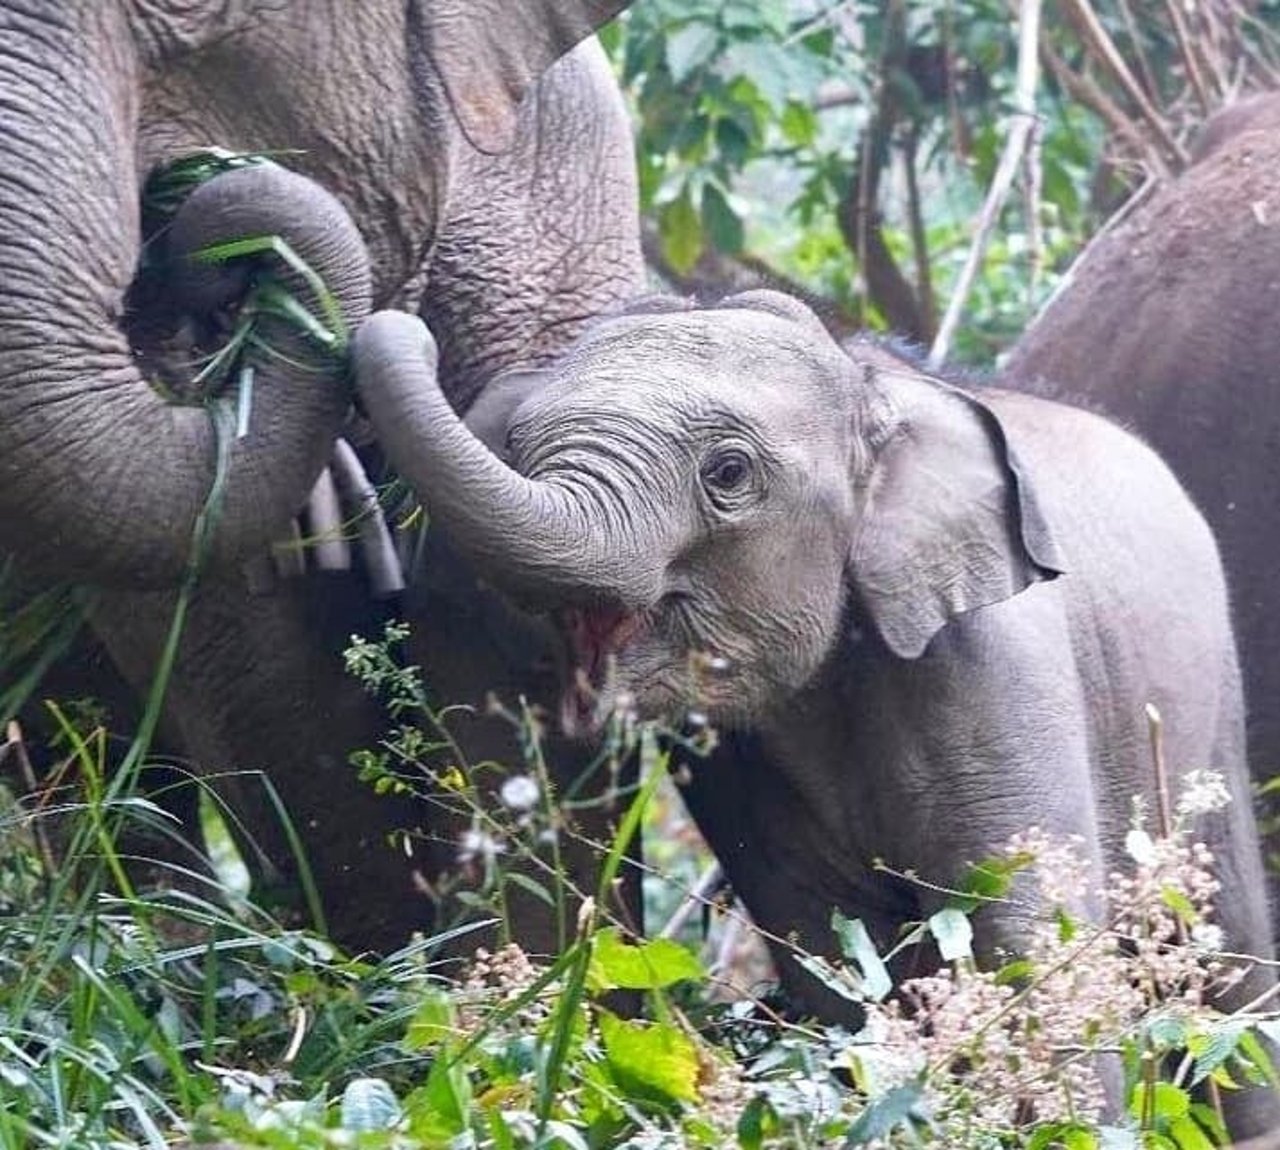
(1140,848)
(1202,792)
(519,793)
(1207,936)
(475,844)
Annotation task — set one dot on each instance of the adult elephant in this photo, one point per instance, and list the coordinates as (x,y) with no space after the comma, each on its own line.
(1168,323)
(493,189)
(851,570)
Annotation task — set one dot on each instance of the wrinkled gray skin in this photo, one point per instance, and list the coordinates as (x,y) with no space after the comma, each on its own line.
(1168,323)
(941,613)
(505,223)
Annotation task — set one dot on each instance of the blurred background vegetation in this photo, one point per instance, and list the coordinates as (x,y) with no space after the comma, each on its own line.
(842,148)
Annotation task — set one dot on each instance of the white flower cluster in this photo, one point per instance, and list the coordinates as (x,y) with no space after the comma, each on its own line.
(1000,1052)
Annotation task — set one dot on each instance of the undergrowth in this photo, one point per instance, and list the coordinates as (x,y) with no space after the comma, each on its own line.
(148,1004)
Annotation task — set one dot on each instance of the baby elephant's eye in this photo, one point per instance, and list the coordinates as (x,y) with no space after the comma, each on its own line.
(726,471)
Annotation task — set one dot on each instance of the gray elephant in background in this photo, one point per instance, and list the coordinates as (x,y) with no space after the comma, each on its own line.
(923,617)
(486,164)
(1168,322)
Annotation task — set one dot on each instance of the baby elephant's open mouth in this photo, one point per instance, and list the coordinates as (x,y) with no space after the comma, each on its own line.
(594,635)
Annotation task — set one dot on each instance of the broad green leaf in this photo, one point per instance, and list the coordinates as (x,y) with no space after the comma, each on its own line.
(953,933)
(857,947)
(1182,906)
(885,1115)
(1208,1117)
(799,124)
(224,856)
(1187,1134)
(370,1104)
(1213,1047)
(1171,1102)
(757,1122)
(433,1022)
(1256,1054)
(441,1109)
(688,48)
(1063,1136)
(680,231)
(1015,971)
(651,1054)
(720,222)
(989,879)
(651,965)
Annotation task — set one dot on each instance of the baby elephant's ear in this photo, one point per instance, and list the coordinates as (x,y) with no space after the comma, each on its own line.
(490,415)
(950,523)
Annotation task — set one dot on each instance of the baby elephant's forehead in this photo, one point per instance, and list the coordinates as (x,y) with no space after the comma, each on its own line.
(729,353)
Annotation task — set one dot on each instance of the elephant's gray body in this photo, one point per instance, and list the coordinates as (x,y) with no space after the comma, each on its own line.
(934,618)
(506,223)
(1168,324)
(1029,711)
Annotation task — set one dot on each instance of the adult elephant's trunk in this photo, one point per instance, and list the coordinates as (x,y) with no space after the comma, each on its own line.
(101,480)
(531,536)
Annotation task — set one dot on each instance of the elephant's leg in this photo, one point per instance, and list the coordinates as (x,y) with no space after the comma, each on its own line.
(259,685)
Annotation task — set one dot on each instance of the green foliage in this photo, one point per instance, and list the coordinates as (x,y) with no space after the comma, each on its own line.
(131,1015)
(844,149)
(717,87)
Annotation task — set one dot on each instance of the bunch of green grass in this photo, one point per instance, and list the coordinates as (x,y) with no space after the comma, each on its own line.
(131,1013)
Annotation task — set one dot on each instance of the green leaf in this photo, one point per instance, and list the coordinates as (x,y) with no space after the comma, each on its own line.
(1212,1048)
(720,222)
(442,1108)
(1256,1054)
(953,933)
(1208,1117)
(688,48)
(680,231)
(799,124)
(1167,1032)
(433,1022)
(1182,906)
(885,1115)
(532,886)
(1187,1134)
(652,1055)
(757,1122)
(1016,971)
(1171,1102)
(989,879)
(1063,1136)
(857,947)
(370,1104)
(651,965)
(734,142)
(224,856)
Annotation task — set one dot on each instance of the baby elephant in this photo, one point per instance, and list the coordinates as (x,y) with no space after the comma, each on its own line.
(923,617)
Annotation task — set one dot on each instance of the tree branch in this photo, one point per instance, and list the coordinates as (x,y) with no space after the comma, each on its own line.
(1021,125)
